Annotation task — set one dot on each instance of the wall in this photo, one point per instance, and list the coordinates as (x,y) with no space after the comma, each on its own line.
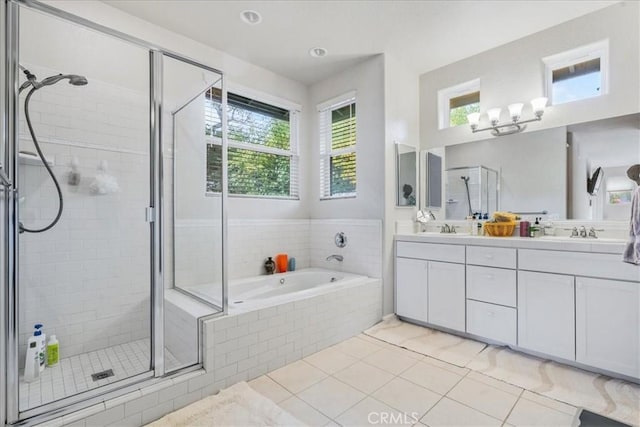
(238,73)
(514,73)
(401,126)
(367,79)
(531,164)
(87,279)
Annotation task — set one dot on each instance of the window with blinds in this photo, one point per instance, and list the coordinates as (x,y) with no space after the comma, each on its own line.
(262,153)
(338,147)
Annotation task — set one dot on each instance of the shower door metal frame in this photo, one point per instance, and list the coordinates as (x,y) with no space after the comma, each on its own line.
(11,214)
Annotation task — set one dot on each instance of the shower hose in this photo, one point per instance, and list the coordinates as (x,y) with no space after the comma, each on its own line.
(47,167)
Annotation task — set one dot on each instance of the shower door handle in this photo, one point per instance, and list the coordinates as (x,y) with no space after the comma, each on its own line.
(4,179)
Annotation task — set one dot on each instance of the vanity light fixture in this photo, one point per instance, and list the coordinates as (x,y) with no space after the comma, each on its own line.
(515,111)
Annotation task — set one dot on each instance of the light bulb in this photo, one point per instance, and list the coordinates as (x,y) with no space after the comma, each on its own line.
(515,111)
(538,106)
(474,120)
(494,115)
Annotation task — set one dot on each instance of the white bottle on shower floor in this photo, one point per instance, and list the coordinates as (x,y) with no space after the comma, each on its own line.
(32,360)
(42,345)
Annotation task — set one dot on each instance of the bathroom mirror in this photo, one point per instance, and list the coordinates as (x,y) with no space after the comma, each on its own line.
(547,173)
(406,175)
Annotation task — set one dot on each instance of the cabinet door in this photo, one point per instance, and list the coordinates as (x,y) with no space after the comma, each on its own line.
(446,295)
(411,288)
(546,314)
(607,325)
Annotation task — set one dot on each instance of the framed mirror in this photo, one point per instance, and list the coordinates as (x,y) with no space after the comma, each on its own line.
(406,175)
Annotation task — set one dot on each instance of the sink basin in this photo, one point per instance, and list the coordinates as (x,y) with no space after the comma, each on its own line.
(582,239)
(437,233)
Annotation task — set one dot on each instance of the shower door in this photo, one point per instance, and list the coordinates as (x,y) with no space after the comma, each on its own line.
(88,279)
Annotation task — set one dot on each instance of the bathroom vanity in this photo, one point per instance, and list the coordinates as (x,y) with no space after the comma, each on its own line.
(572,300)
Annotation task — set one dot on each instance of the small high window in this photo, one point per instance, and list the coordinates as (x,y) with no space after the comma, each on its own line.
(456,102)
(338,147)
(577,74)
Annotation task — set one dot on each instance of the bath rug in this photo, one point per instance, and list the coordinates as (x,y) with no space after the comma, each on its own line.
(610,397)
(238,405)
(446,347)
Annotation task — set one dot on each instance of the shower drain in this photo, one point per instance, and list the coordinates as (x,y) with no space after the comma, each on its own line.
(102,375)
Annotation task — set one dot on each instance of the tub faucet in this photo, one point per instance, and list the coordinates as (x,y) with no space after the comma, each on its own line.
(336,257)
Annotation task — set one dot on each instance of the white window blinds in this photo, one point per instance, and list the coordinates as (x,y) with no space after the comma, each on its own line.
(338,147)
(263,153)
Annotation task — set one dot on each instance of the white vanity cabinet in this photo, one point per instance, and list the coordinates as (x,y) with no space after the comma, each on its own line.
(577,305)
(607,325)
(430,284)
(411,288)
(546,315)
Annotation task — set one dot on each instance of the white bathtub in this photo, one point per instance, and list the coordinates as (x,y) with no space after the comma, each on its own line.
(261,291)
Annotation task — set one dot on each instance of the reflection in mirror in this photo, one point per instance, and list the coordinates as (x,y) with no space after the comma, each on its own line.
(434,181)
(471,190)
(552,171)
(406,181)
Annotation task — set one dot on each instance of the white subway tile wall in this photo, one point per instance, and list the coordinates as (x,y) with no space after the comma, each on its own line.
(243,347)
(87,279)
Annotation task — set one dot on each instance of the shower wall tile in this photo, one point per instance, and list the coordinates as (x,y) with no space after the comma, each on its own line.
(87,279)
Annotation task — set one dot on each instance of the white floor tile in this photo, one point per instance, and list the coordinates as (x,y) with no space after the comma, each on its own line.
(297,376)
(431,377)
(370,411)
(406,396)
(270,389)
(529,413)
(483,397)
(450,413)
(331,397)
(364,377)
(330,360)
(304,412)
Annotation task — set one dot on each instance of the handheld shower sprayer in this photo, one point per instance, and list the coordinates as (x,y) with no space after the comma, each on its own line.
(466,184)
(33,82)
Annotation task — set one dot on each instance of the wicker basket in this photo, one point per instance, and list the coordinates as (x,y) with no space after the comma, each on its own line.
(499,229)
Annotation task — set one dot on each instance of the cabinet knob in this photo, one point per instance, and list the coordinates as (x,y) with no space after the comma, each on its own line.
(488,256)
(489,276)
(490,313)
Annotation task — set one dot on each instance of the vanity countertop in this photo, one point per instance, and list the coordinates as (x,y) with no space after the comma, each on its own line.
(609,246)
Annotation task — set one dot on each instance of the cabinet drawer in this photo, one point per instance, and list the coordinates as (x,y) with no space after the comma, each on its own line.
(494,285)
(492,257)
(606,266)
(430,251)
(491,321)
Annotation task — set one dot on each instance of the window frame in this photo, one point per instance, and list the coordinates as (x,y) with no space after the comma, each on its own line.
(445,95)
(597,50)
(294,147)
(325,110)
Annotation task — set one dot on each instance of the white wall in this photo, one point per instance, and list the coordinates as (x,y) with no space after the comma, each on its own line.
(367,79)
(401,125)
(533,169)
(514,73)
(238,73)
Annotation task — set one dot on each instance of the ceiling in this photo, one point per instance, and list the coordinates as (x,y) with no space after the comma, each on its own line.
(423,35)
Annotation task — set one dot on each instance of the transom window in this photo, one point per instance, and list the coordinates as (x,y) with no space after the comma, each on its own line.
(456,102)
(338,147)
(262,156)
(577,74)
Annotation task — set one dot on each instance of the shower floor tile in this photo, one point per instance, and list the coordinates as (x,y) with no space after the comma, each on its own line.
(72,375)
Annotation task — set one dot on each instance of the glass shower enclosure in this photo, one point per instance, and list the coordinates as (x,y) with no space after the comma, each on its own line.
(124,142)
(471,189)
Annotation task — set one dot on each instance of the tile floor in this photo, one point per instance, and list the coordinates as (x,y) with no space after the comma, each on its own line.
(365,381)
(73,374)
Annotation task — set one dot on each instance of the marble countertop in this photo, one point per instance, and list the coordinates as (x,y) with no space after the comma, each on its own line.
(608,246)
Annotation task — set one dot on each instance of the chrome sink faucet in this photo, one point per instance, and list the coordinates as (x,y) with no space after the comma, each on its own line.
(336,257)
(583,231)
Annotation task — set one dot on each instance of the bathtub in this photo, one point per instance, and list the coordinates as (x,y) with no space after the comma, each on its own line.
(262,291)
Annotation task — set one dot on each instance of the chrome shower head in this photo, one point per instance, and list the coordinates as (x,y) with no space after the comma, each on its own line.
(73,79)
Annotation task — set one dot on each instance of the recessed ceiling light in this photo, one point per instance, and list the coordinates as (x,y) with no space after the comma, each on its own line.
(318,52)
(251,17)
